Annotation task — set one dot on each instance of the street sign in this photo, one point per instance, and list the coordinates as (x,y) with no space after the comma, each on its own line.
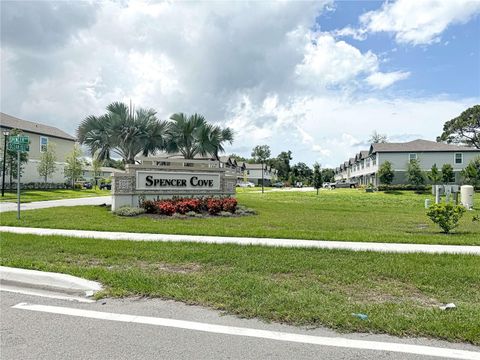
(19,143)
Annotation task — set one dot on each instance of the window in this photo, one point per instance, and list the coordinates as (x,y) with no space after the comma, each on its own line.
(412,157)
(43,143)
(458,158)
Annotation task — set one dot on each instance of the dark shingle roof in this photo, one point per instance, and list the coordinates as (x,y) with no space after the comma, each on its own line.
(11,122)
(418,145)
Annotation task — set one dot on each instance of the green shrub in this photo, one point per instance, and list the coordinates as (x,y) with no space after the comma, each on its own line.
(129,211)
(445,215)
(409,187)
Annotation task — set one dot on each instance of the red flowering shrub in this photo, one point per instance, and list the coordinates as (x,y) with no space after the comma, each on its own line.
(149,206)
(184,205)
(229,204)
(166,207)
(214,206)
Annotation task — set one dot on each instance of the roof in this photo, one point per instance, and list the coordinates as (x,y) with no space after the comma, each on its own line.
(11,122)
(418,145)
(102,169)
(255,166)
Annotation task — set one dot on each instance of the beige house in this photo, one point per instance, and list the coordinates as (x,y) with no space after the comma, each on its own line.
(363,168)
(41,136)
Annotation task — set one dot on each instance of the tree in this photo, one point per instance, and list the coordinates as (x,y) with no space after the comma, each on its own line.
(11,158)
(302,172)
(96,169)
(192,135)
(434,175)
(116,164)
(471,173)
(328,175)
(377,138)
(415,174)
(47,165)
(260,154)
(317,177)
(447,174)
(386,173)
(123,131)
(74,165)
(282,164)
(464,129)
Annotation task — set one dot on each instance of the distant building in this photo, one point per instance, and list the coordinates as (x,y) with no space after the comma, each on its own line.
(254,174)
(364,166)
(41,136)
(104,173)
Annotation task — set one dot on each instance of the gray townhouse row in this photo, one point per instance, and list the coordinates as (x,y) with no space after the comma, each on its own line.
(364,166)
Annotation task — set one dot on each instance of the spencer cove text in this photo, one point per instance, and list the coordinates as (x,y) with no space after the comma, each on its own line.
(194,181)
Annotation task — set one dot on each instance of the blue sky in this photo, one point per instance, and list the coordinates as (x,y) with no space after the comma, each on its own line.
(451,66)
(316,78)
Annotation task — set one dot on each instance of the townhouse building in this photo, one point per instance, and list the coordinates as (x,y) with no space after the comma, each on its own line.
(363,168)
(41,136)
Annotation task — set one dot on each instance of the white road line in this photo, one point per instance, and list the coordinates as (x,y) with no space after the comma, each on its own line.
(44,294)
(263,334)
(288,243)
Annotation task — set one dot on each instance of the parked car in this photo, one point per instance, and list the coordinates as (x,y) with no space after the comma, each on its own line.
(245,184)
(278,184)
(328,185)
(344,184)
(104,186)
(87,185)
(298,184)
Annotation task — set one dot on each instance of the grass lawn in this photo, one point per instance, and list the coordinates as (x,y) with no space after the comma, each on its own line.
(343,214)
(400,293)
(58,194)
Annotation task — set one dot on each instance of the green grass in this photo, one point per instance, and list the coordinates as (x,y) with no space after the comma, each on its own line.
(345,215)
(27,196)
(400,293)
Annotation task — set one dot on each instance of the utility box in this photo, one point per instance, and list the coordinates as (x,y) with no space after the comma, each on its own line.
(466,194)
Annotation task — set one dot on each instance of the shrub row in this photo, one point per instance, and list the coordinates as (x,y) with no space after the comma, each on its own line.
(404,187)
(212,206)
(35,186)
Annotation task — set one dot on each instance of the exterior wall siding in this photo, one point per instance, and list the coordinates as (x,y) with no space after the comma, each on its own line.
(30,173)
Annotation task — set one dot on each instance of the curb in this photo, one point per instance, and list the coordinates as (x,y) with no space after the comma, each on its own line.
(49,281)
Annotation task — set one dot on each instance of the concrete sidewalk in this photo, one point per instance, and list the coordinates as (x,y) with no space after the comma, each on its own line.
(94,200)
(319,244)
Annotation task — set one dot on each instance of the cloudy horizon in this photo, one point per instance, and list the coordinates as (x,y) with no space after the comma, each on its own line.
(316,78)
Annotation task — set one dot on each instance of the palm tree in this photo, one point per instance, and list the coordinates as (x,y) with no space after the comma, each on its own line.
(123,131)
(192,135)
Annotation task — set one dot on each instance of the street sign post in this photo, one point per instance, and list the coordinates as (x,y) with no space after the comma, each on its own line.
(18,144)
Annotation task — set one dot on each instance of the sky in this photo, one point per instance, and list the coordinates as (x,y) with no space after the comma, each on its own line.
(316,78)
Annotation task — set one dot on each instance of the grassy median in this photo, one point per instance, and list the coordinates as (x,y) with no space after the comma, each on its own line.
(27,196)
(347,215)
(400,293)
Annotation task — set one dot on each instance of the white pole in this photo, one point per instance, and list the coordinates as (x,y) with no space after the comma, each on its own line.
(18,184)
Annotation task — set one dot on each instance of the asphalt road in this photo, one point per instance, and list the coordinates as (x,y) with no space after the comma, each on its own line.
(37,335)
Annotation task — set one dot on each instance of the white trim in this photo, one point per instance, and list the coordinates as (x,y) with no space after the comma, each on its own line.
(340,342)
(409,156)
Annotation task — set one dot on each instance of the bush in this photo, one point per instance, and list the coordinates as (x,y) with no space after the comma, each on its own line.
(165,207)
(129,211)
(183,206)
(408,187)
(229,205)
(149,206)
(445,215)
(214,206)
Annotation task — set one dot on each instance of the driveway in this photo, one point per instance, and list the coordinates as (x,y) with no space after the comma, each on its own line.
(98,200)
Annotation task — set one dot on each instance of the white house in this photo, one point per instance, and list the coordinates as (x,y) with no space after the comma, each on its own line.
(41,136)
(364,166)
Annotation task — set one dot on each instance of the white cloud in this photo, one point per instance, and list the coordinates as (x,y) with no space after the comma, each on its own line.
(267,75)
(418,22)
(381,80)
(330,62)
